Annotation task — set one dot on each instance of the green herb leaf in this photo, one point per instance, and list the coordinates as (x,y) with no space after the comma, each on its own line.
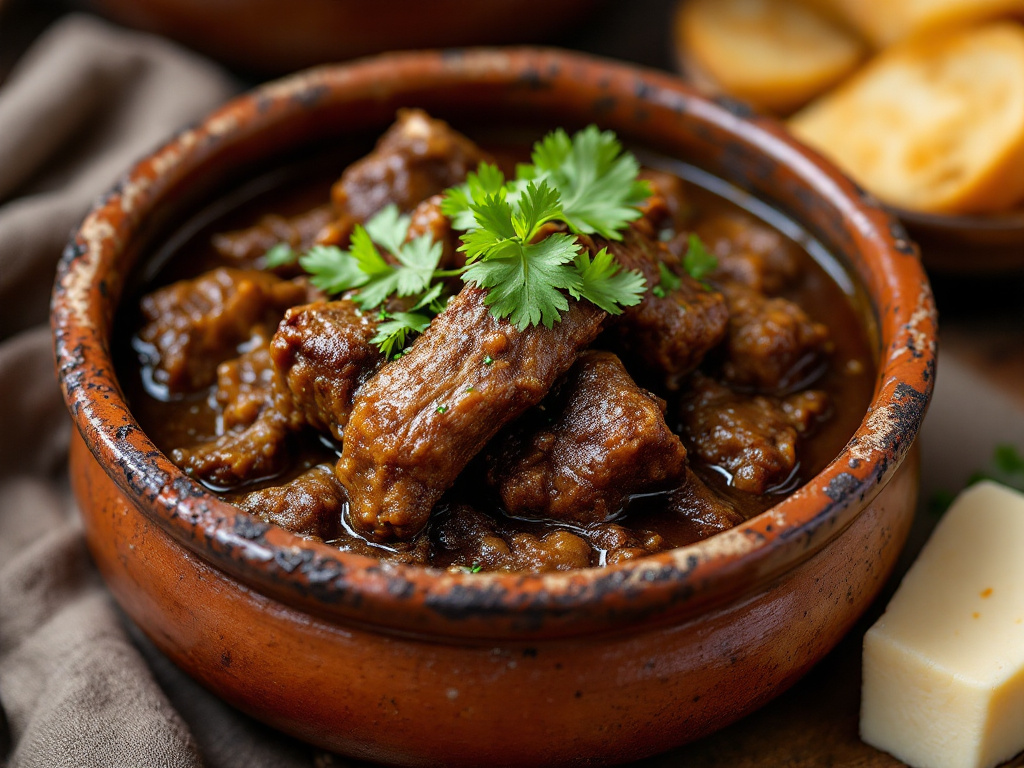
(596,180)
(280,255)
(393,334)
(1008,460)
(488,180)
(604,283)
(668,281)
(698,261)
(332,270)
(388,228)
(525,282)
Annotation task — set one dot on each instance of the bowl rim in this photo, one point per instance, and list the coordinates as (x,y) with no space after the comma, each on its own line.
(345,587)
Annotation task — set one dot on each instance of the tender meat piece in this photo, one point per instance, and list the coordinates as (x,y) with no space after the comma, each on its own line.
(608,440)
(749,252)
(419,421)
(469,539)
(193,325)
(323,350)
(310,505)
(703,512)
(427,219)
(256,421)
(246,246)
(621,544)
(417,157)
(773,346)
(754,438)
(671,334)
(668,205)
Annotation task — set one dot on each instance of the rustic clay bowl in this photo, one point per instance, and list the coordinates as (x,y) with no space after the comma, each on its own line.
(420,667)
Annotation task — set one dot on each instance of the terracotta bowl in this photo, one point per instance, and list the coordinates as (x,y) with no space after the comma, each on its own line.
(416,666)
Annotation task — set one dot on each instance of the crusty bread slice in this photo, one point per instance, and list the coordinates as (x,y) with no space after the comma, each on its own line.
(931,124)
(884,22)
(775,54)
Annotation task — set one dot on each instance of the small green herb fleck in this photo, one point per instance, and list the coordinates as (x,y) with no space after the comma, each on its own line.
(280,255)
(441,408)
(476,568)
(488,360)
(469,389)
(698,261)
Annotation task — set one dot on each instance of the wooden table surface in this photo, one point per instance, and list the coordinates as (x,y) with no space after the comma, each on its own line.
(979,403)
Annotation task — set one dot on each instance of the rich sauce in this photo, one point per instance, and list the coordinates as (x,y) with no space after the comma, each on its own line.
(821,288)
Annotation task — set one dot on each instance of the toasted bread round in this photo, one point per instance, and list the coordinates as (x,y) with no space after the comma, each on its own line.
(931,124)
(775,54)
(884,22)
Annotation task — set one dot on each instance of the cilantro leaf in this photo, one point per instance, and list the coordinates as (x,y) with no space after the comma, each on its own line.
(604,283)
(419,258)
(698,261)
(525,281)
(280,255)
(392,334)
(597,181)
(388,228)
(668,281)
(332,270)
(488,180)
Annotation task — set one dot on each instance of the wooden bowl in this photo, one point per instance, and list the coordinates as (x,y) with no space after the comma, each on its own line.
(417,666)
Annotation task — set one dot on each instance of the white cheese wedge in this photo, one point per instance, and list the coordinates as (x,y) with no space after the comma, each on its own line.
(944,665)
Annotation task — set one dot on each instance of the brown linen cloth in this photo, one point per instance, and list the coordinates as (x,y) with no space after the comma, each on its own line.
(78,686)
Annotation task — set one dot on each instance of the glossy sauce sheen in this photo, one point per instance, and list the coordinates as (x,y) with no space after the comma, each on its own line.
(175,421)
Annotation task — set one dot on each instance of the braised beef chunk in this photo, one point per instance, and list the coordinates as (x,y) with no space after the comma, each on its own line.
(467,539)
(194,325)
(420,419)
(754,438)
(257,417)
(703,511)
(323,350)
(471,540)
(606,439)
(671,333)
(749,252)
(773,345)
(245,246)
(310,505)
(417,157)
(427,219)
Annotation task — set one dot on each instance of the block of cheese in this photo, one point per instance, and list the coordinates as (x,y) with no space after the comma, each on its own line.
(933,124)
(944,665)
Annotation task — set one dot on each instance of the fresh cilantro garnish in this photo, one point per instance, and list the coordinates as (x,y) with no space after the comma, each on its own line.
(362,266)
(393,333)
(606,284)
(595,178)
(280,255)
(586,184)
(698,261)
(668,281)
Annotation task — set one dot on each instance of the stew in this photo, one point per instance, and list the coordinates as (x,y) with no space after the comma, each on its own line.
(485,446)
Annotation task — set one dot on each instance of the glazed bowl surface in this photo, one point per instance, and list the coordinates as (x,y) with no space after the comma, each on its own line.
(416,666)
